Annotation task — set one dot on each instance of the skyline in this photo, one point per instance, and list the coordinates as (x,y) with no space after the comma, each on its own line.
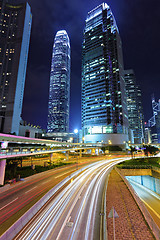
(131,21)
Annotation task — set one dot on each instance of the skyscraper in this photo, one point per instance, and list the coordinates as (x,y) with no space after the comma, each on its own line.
(154,122)
(134,106)
(15,28)
(104,110)
(59,90)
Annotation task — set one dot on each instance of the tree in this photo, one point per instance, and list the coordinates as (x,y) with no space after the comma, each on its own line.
(133,149)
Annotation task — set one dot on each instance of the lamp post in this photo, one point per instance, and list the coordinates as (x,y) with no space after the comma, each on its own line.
(109,142)
(76,133)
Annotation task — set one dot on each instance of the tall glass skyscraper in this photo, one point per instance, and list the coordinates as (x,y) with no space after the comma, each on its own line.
(59,90)
(104,110)
(134,106)
(15,29)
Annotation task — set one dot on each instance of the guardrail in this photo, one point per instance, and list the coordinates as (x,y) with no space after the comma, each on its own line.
(11,153)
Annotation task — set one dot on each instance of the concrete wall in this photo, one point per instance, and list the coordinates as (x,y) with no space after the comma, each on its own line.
(147,181)
(115,139)
(136,172)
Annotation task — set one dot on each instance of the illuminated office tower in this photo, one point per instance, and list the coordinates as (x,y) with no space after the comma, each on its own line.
(59,90)
(134,106)
(15,28)
(104,110)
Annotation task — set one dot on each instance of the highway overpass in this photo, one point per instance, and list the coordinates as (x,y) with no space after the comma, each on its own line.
(17,146)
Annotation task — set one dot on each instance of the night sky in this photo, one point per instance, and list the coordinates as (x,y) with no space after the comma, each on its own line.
(139,25)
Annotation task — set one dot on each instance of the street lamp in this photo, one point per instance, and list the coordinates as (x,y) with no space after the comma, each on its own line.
(76,134)
(76,131)
(109,142)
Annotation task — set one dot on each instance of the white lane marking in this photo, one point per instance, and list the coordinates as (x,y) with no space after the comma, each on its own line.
(69,219)
(62,175)
(150,208)
(46,181)
(9,203)
(37,229)
(30,189)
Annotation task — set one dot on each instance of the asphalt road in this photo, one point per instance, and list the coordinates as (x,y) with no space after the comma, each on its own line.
(73,213)
(20,196)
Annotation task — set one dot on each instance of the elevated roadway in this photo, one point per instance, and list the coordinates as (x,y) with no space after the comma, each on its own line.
(22,147)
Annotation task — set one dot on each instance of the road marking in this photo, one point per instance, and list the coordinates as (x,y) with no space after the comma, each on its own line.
(69,219)
(46,181)
(9,203)
(151,208)
(30,190)
(69,224)
(62,175)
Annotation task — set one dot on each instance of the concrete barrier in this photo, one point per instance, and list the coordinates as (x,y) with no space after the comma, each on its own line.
(148,218)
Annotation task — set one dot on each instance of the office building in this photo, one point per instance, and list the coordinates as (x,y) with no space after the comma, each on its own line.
(104,109)
(134,106)
(154,122)
(15,28)
(59,90)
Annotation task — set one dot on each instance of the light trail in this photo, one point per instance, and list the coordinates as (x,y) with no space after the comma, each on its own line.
(72,213)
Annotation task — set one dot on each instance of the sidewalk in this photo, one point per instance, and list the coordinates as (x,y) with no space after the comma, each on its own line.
(130,223)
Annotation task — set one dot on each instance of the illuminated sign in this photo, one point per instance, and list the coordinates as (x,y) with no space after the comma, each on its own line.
(4,144)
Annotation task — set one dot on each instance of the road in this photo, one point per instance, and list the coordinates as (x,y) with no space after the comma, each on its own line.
(75,212)
(20,197)
(150,199)
(15,201)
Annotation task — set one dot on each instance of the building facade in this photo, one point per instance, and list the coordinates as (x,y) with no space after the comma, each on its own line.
(59,90)
(15,28)
(104,109)
(30,130)
(134,106)
(154,122)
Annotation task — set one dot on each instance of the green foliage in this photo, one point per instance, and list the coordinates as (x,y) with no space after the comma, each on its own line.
(111,148)
(150,161)
(12,172)
(152,150)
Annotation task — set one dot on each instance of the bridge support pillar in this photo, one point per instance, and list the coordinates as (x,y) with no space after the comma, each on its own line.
(80,153)
(67,155)
(97,151)
(51,155)
(93,150)
(2,171)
